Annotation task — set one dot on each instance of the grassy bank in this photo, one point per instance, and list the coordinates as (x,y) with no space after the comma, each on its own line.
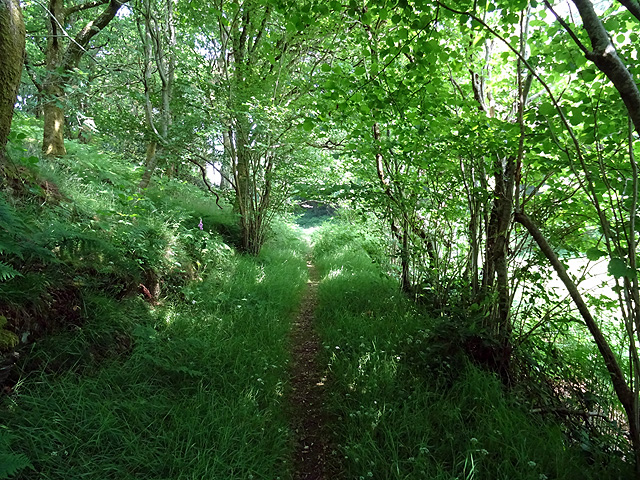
(149,348)
(199,396)
(407,403)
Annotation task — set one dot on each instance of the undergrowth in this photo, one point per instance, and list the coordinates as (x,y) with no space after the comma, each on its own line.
(148,347)
(199,396)
(407,402)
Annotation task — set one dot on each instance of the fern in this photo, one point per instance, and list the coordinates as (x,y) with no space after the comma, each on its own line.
(7,272)
(10,463)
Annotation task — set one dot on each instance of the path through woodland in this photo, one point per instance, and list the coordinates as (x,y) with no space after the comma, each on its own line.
(306,401)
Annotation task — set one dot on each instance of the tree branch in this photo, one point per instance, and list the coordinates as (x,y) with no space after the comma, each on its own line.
(203,172)
(605,57)
(623,392)
(83,6)
(32,73)
(77,48)
(633,6)
(565,25)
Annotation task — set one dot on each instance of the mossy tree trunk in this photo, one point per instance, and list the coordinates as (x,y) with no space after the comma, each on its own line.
(12,40)
(62,59)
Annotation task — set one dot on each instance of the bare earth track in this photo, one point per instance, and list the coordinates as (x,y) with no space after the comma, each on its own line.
(307,395)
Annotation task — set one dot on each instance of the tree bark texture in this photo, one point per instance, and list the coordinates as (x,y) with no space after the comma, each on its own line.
(151,160)
(495,280)
(12,40)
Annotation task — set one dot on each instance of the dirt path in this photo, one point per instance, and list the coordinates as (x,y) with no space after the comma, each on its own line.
(306,400)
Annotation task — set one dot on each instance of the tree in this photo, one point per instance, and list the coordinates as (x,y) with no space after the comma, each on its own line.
(158,38)
(61,60)
(258,57)
(12,42)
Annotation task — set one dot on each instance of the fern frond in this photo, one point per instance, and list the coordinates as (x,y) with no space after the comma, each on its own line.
(11,463)
(7,272)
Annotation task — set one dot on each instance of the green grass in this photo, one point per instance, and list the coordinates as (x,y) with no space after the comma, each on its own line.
(199,395)
(113,387)
(407,403)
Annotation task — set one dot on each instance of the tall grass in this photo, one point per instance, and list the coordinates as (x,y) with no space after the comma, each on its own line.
(199,396)
(407,402)
(187,387)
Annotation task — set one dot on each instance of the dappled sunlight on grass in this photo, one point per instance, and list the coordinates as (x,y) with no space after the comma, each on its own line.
(203,378)
(335,273)
(408,407)
(307,234)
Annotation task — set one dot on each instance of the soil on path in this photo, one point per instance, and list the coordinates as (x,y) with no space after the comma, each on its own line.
(306,400)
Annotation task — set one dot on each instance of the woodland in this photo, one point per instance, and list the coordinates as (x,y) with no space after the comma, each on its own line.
(311,239)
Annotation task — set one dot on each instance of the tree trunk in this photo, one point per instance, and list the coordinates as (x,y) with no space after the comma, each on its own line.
(12,40)
(158,37)
(53,137)
(60,62)
(496,275)
(150,164)
(406,270)
(225,165)
(244,205)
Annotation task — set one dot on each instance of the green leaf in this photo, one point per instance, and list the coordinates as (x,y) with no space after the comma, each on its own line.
(360,70)
(325,67)
(308,124)
(618,268)
(589,75)
(595,254)
(547,109)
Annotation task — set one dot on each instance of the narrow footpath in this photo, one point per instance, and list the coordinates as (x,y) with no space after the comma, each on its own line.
(306,400)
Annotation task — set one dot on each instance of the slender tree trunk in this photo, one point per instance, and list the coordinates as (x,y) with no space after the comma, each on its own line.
(405,257)
(158,37)
(12,40)
(623,392)
(53,137)
(225,165)
(474,253)
(496,276)
(150,164)
(244,204)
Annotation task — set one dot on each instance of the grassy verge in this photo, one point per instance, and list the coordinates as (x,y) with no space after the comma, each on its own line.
(408,403)
(181,379)
(199,396)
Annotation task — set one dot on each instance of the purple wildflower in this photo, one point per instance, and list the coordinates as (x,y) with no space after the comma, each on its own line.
(200,226)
